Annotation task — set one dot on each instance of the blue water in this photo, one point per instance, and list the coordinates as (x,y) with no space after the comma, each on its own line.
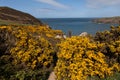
(76,25)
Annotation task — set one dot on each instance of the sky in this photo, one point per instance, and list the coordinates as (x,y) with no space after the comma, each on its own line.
(66,8)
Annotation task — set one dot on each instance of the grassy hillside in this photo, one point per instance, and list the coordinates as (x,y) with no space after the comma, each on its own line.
(9,15)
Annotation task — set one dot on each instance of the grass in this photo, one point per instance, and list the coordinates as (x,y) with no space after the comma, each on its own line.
(6,22)
(115,76)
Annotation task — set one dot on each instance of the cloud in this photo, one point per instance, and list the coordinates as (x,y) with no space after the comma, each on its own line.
(102,3)
(45,10)
(53,3)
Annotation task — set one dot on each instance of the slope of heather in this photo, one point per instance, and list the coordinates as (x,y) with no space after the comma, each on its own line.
(10,15)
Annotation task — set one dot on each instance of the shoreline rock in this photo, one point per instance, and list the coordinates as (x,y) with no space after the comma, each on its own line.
(83,34)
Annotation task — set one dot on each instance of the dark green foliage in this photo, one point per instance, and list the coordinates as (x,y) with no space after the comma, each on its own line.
(115,76)
(7,41)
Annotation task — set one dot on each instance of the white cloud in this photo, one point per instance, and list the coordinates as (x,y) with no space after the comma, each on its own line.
(53,3)
(45,10)
(102,3)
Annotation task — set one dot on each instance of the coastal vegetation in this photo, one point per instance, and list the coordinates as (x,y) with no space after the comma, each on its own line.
(32,52)
(27,52)
(83,59)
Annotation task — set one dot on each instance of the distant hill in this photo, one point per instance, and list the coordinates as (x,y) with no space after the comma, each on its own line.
(9,15)
(113,20)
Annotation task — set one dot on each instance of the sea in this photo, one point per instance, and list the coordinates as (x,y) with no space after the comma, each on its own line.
(76,25)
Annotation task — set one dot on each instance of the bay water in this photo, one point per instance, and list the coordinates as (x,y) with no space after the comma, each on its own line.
(76,25)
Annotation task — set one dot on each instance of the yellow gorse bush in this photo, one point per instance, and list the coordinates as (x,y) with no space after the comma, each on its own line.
(31,46)
(32,51)
(79,58)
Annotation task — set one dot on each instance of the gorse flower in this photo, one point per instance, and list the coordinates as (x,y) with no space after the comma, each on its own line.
(32,50)
(78,58)
(35,48)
